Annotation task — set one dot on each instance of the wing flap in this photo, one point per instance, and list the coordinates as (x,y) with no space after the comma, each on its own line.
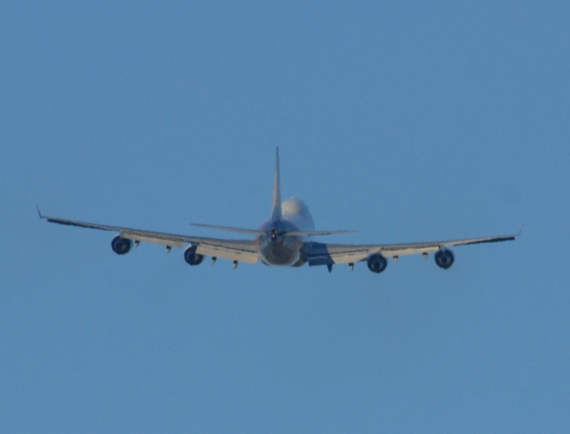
(225,252)
(164,239)
(323,254)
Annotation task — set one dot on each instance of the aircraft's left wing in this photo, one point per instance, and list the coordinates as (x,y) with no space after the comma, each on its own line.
(237,250)
(328,254)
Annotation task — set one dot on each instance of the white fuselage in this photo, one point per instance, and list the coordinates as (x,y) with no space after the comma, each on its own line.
(280,250)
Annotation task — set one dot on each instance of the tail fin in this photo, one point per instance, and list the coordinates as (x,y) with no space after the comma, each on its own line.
(276,212)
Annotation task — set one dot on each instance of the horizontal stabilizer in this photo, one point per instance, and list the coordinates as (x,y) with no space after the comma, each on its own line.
(315,233)
(254,232)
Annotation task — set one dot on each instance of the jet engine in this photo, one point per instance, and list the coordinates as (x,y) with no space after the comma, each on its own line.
(444,258)
(121,245)
(377,263)
(191,257)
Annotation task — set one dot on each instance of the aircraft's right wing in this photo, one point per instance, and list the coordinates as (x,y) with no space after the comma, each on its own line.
(328,254)
(237,250)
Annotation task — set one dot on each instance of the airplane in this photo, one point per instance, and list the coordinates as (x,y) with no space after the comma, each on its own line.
(285,239)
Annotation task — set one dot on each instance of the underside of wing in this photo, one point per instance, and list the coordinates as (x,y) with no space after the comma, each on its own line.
(326,254)
(236,250)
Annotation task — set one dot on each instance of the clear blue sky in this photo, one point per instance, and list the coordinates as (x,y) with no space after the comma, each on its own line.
(413,121)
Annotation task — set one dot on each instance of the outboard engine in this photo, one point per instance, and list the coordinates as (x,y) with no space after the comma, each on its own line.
(444,258)
(377,263)
(191,257)
(121,245)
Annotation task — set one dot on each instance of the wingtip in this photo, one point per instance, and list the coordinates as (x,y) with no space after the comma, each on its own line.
(520,230)
(39,212)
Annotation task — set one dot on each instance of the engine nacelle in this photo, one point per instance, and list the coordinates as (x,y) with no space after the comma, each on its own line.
(191,257)
(121,245)
(444,258)
(377,263)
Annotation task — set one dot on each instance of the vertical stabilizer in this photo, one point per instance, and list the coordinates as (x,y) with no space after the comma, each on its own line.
(276,212)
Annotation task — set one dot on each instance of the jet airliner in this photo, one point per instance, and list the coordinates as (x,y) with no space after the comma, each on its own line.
(285,239)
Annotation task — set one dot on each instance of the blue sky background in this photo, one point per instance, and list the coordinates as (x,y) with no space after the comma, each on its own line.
(413,121)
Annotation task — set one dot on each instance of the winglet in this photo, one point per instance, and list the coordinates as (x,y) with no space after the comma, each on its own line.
(39,212)
(520,230)
(276,211)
